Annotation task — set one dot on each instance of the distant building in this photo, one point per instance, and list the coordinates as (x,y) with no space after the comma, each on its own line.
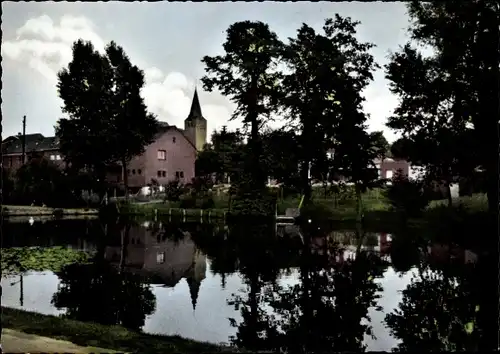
(389,167)
(170,156)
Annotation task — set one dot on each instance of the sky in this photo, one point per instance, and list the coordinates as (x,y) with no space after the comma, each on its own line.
(168,41)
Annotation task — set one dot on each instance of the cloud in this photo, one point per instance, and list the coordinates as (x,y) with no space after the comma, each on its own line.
(45,46)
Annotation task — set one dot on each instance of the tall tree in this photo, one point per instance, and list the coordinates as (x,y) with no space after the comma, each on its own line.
(327,72)
(107,118)
(449,100)
(133,127)
(247,74)
(84,87)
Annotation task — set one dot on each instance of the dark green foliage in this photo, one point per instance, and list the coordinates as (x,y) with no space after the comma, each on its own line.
(107,118)
(223,156)
(173,190)
(40,182)
(321,94)
(20,260)
(448,112)
(406,196)
(247,74)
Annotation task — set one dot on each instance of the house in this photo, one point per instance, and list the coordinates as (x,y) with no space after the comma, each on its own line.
(162,259)
(35,145)
(388,167)
(170,156)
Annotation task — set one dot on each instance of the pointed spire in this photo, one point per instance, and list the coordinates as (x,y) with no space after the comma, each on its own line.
(195,111)
(194,288)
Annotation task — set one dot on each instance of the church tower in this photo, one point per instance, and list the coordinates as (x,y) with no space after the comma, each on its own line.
(199,269)
(195,125)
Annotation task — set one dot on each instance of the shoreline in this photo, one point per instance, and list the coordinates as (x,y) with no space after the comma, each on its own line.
(88,334)
(26,210)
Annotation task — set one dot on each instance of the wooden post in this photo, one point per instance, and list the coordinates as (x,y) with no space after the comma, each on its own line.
(184,218)
(209,213)
(224,217)
(156,214)
(201,216)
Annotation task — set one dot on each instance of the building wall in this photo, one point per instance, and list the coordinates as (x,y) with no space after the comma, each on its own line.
(14,162)
(180,157)
(393,165)
(196,131)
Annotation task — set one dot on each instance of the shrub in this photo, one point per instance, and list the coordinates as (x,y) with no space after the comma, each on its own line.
(173,191)
(406,196)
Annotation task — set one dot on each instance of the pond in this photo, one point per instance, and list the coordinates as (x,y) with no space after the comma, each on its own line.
(256,286)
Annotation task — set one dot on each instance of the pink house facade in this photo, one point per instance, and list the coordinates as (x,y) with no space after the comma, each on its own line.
(170,156)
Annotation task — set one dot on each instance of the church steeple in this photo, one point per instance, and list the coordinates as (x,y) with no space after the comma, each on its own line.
(194,289)
(195,111)
(195,125)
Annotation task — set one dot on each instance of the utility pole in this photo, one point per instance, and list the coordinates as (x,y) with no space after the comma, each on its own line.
(24,140)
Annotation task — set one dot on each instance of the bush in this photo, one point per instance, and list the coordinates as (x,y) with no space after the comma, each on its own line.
(406,196)
(173,191)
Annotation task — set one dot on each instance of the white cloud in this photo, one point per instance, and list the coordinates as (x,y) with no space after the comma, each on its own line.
(45,47)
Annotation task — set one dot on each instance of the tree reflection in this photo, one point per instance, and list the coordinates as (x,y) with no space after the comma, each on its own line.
(98,292)
(326,310)
(449,307)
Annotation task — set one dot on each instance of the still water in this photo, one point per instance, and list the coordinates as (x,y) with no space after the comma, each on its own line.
(256,286)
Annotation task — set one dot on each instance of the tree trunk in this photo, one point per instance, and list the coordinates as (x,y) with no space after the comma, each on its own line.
(448,191)
(359,204)
(125,177)
(306,185)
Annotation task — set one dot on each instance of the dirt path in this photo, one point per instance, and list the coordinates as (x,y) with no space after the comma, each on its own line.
(19,342)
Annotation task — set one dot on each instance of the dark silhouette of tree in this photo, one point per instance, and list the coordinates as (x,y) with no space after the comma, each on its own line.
(449,100)
(247,73)
(107,119)
(322,93)
(97,292)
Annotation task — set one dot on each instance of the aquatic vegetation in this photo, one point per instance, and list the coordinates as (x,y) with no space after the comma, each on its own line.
(23,259)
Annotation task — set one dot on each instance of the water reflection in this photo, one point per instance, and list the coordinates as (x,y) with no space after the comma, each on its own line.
(308,289)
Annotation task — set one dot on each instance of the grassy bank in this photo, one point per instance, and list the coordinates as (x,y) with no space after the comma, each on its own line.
(91,334)
(376,207)
(25,210)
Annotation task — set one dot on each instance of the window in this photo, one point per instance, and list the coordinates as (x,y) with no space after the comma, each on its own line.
(164,173)
(160,257)
(58,157)
(159,174)
(52,157)
(176,174)
(162,155)
(182,174)
(128,172)
(179,174)
(139,171)
(173,139)
(388,174)
(133,171)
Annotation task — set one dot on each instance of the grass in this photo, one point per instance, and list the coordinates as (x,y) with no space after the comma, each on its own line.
(27,210)
(95,335)
(377,209)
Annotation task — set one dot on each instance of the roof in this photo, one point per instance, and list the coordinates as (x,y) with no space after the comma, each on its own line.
(34,142)
(195,111)
(12,145)
(165,127)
